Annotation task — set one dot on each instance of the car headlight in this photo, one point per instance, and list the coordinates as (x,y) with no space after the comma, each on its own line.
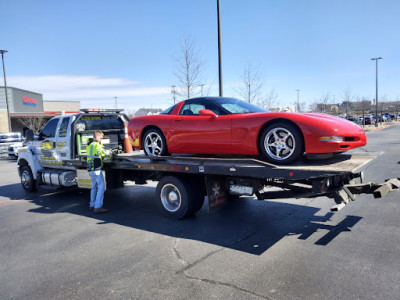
(331,138)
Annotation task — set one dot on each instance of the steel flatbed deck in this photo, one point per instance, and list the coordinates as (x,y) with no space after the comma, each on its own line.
(245,167)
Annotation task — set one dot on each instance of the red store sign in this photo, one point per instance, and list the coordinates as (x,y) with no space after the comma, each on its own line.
(29,101)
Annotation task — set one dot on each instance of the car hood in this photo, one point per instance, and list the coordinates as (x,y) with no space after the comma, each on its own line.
(323,123)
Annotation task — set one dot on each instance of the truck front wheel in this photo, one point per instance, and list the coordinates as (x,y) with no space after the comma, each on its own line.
(174,197)
(27,180)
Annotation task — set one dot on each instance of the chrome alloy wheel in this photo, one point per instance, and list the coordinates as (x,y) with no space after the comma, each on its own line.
(170,197)
(153,144)
(26,179)
(279,143)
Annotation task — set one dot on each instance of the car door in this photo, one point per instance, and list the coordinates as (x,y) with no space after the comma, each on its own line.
(195,133)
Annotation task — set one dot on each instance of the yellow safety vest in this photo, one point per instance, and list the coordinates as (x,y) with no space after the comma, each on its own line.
(95,153)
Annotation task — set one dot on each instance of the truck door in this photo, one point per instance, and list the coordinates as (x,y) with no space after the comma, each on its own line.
(63,140)
(46,144)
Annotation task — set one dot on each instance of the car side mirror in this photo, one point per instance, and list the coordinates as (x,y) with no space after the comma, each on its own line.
(207,112)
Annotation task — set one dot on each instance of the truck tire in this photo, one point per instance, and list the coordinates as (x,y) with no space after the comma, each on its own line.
(27,180)
(175,198)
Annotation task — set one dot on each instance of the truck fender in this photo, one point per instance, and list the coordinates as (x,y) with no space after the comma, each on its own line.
(27,156)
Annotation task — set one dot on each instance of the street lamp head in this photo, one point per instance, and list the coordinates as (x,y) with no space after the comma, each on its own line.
(3,51)
(376,58)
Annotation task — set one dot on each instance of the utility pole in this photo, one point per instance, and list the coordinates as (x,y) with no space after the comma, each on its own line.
(201,87)
(5,88)
(173,92)
(219,53)
(298,102)
(376,90)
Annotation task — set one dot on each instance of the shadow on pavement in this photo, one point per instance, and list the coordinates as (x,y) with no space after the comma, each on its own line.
(245,224)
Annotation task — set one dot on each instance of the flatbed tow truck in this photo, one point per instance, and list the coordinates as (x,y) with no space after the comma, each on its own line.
(58,160)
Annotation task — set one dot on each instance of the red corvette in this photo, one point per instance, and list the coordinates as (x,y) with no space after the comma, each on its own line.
(216,125)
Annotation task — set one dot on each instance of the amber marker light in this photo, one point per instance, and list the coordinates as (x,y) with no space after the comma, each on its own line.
(331,138)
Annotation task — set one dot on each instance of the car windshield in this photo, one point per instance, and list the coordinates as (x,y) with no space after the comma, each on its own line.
(236,106)
(168,110)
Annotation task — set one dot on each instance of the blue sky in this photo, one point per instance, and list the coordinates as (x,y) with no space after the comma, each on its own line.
(93,51)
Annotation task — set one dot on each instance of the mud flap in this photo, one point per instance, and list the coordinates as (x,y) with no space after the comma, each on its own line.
(217,192)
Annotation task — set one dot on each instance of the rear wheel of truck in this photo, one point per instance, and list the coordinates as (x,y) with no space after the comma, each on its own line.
(174,197)
(27,180)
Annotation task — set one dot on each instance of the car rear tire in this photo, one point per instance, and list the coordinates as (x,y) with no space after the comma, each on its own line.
(281,143)
(154,143)
(27,180)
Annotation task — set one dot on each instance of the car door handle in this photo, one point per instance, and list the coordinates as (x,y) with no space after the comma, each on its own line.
(178,120)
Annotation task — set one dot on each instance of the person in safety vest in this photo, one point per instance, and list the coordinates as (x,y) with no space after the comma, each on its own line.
(95,153)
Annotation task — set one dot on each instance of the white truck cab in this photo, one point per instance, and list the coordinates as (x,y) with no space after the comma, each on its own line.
(64,138)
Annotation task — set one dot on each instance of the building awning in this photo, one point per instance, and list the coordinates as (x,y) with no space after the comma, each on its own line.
(46,114)
(24,115)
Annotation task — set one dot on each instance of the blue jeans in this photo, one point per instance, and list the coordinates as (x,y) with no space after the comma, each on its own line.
(98,188)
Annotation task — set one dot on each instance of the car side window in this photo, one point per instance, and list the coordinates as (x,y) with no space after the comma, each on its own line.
(191,109)
(64,127)
(50,129)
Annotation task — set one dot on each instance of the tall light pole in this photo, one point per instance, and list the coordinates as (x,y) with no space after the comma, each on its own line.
(376,90)
(219,53)
(298,102)
(116,104)
(5,88)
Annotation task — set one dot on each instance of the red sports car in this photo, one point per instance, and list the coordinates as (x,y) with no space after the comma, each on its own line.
(217,125)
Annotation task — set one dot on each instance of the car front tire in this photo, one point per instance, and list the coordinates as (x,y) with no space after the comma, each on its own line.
(281,143)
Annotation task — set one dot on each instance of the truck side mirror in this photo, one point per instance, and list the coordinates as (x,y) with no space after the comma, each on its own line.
(29,135)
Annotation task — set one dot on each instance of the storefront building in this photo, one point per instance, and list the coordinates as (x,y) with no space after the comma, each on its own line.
(23,105)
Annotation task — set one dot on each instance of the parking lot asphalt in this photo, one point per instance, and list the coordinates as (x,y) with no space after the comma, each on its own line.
(53,247)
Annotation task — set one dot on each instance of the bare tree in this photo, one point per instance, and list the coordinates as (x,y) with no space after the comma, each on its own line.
(323,102)
(34,123)
(189,66)
(347,97)
(130,112)
(363,106)
(251,84)
(302,106)
(269,100)
(313,106)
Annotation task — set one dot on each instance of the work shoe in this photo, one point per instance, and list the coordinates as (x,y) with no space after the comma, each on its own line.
(100,210)
(91,207)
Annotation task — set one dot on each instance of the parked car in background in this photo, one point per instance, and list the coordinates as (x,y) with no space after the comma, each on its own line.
(352,119)
(9,139)
(369,120)
(13,149)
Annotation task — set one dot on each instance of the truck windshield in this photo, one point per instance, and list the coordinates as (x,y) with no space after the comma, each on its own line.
(100,122)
